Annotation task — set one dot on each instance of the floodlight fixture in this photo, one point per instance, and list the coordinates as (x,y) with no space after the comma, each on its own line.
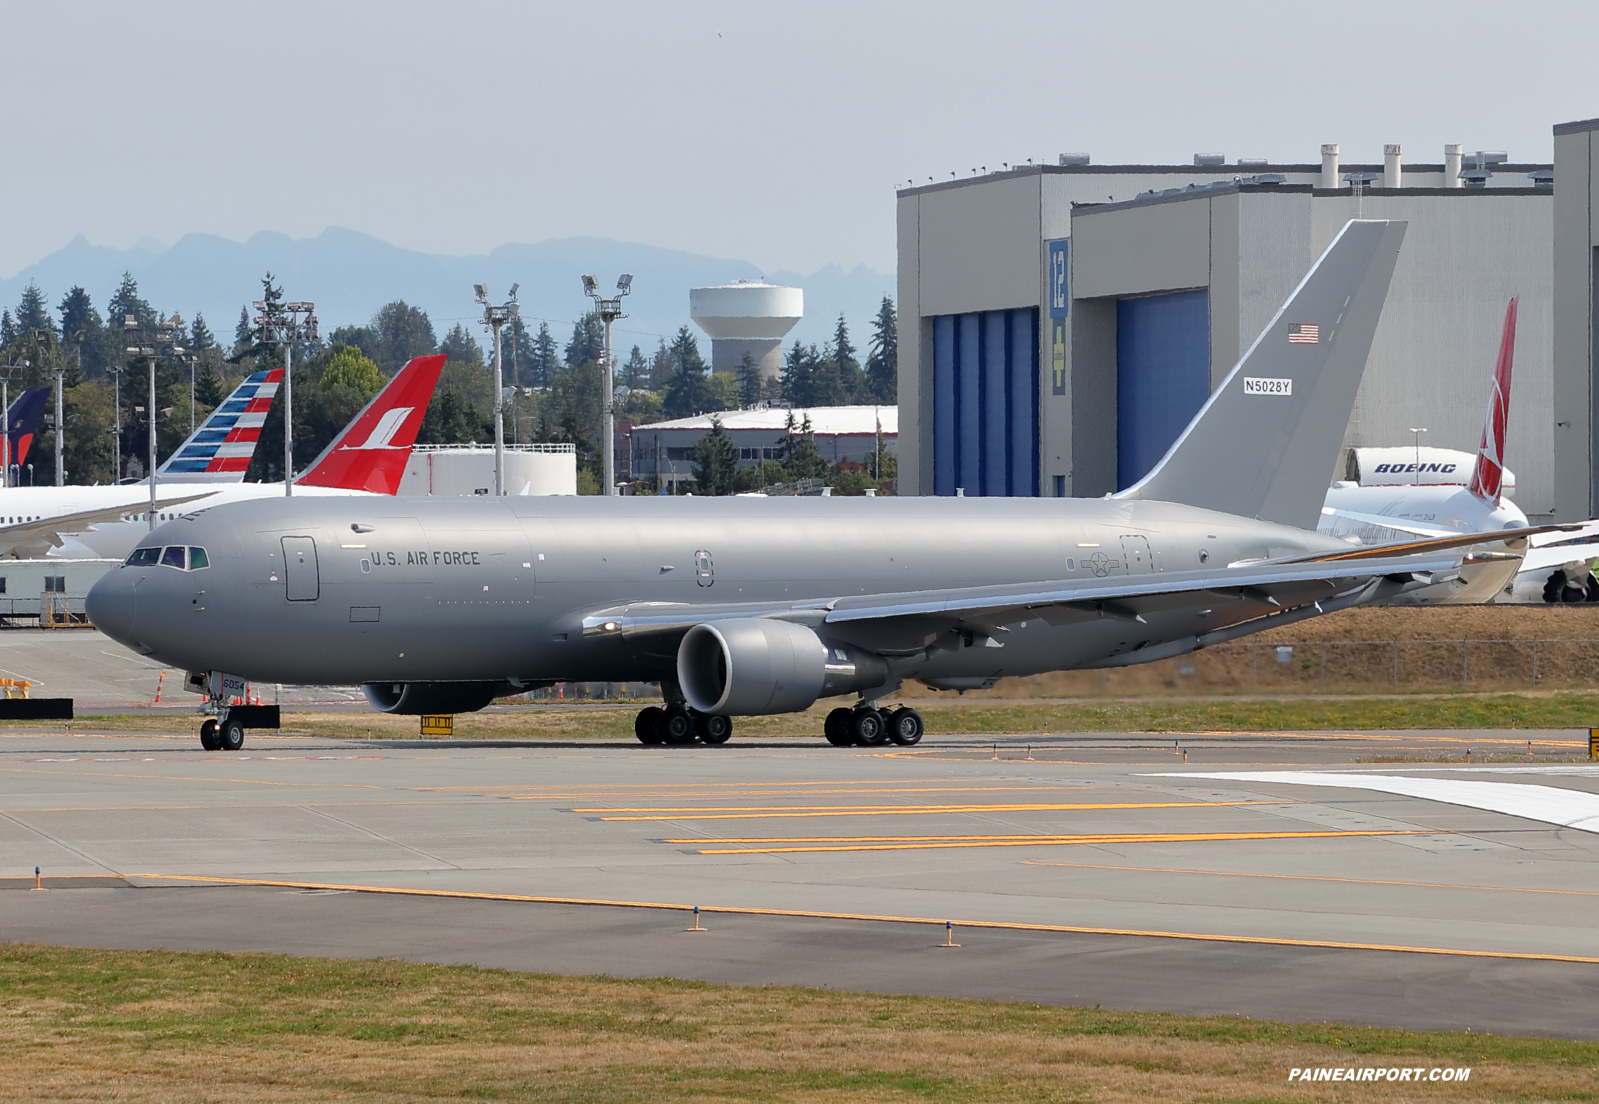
(482,292)
(625,284)
(513,290)
(590,285)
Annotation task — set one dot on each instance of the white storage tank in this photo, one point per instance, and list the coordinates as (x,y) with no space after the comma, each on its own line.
(746,317)
(545,469)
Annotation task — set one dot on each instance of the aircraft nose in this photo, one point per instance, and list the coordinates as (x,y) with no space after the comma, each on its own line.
(112,604)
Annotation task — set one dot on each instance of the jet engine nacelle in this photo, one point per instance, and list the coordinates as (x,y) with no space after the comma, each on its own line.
(751,666)
(432,697)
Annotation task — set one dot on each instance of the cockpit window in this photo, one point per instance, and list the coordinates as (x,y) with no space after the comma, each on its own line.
(143,557)
(198,559)
(173,556)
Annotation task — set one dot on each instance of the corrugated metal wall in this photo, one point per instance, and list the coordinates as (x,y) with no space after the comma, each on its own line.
(1162,375)
(985,403)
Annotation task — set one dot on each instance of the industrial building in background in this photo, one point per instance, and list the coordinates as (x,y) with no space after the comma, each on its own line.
(538,469)
(666,449)
(747,318)
(1060,324)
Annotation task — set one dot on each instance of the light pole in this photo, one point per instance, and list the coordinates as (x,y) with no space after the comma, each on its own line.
(61,375)
(8,372)
(164,343)
(285,324)
(609,311)
(116,404)
(1418,431)
(194,361)
(493,319)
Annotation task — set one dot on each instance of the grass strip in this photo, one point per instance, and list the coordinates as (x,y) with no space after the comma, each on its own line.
(158,1026)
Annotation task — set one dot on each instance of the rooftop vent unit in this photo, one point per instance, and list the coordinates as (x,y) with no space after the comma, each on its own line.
(1475,178)
(1542,178)
(1210,160)
(1252,162)
(1363,179)
(1484,158)
(1262,178)
(1075,160)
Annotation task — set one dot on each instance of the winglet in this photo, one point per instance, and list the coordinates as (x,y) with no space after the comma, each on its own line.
(1267,439)
(1488,475)
(371,453)
(22,422)
(220,450)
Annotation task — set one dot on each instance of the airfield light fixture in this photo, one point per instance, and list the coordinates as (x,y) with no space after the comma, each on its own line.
(609,311)
(286,324)
(494,318)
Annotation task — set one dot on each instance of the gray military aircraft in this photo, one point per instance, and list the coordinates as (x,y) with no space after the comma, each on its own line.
(749,605)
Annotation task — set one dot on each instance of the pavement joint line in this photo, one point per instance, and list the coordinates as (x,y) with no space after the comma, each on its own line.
(1291,877)
(810,914)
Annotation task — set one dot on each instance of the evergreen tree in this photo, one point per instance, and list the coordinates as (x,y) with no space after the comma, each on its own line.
(78,313)
(687,392)
(751,387)
(516,349)
(804,459)
(543,358)
(243,333)
(588,340)
(842,349)
(811,378)
(8,329)
(401,332)
(125,301)
(715,461)
(33,313)
(200,336)
(636,372)
(882,363)
(460,345)
(208,385)
(660,367)
(99,345)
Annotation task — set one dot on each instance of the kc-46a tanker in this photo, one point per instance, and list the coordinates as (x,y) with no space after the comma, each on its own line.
(748,605)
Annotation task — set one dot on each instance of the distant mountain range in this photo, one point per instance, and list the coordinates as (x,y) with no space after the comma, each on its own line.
(350,275)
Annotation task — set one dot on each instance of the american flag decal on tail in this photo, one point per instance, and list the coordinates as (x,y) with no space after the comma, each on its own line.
(1304,333)
(220,450)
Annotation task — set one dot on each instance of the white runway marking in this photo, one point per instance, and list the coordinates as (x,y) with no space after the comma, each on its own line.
(1550,804)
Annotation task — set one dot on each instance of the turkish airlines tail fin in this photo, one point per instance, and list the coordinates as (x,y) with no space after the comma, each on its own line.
(371,453)
(1266,440)
(1488,475)
(220,450)
(22,422)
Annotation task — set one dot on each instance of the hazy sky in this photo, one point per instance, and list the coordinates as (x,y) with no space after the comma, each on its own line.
(769,132)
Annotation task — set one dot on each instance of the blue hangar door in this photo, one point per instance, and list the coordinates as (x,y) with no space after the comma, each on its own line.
(1162,376)
(985,403)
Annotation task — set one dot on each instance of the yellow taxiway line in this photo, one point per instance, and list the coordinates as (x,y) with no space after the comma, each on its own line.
(757,812)
(1288,877)
(932,843)
(1001,925)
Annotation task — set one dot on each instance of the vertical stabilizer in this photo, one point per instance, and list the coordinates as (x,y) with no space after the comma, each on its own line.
(22,422)
(220,450)
(1487,477)
(372,451)
(1266,441)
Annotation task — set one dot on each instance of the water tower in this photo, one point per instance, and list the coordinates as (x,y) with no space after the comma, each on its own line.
(746,317)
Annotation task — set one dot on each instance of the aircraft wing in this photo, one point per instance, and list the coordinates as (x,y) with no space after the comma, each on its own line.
(908,622)
(1431,544)
(1386,522)
(46,532)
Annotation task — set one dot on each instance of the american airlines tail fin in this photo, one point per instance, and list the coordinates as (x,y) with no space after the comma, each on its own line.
(1487,477)
(220,450)
(22,422)
(371,453)
(1266,441)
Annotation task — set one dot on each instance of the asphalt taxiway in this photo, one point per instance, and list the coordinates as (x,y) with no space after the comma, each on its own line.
(1309,876)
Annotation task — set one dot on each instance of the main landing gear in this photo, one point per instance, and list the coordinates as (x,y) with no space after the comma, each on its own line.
(866,726)
(678,724)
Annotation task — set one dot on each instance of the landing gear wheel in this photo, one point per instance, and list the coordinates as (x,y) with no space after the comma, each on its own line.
(867,727)
(650,725)
(1592,588)
(679,728)
(230,735)
(208,735)
(714,728)
(905,727)
(836,727)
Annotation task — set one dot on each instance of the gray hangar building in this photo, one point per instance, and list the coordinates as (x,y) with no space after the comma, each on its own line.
(1070,319)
